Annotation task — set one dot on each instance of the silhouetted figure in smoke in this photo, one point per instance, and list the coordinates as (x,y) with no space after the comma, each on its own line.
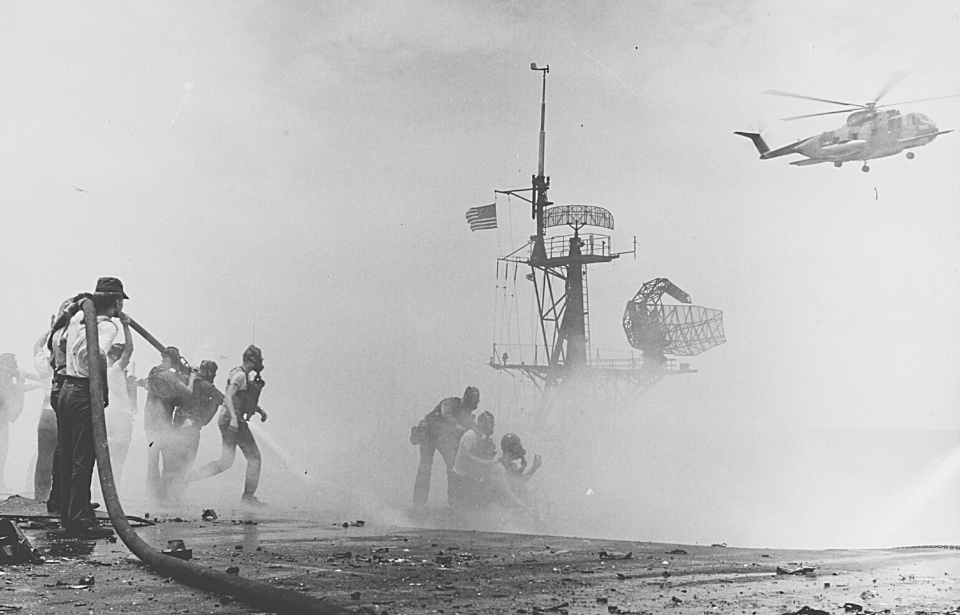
(509,476)
(440,430)
(189,417)
(13,385)
(476,454)
(119,414)
(241,402)
(47,425)
(165,391)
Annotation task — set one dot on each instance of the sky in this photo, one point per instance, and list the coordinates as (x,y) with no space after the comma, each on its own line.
(297,174)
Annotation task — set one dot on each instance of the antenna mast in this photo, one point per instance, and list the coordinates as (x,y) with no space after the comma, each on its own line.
(541,183)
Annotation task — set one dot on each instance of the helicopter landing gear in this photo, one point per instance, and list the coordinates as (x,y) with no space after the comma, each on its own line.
(910,155)
(838,164)
(866,168)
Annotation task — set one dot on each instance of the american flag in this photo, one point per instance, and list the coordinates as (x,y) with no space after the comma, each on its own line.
(482,217)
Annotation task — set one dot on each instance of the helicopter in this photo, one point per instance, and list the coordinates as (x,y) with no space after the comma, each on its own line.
(870,132)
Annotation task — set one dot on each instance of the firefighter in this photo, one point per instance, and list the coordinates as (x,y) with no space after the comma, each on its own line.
(241,402)
(440,430)
(188,419)
(165,391)
(13,384)
(508,477)
(74,418)
(475,456)
(46,426)
(119,414)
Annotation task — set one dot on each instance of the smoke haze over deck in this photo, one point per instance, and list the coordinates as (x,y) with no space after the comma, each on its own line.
(304,170)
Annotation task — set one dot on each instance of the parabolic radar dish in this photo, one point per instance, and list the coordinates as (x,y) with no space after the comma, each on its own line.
(681,330)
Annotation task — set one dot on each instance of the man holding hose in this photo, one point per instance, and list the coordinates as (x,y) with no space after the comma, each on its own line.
(74,414)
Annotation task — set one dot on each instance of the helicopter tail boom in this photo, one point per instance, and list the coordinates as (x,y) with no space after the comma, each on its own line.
(764,149)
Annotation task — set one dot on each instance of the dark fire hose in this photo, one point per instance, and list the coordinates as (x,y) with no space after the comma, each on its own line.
(254,593)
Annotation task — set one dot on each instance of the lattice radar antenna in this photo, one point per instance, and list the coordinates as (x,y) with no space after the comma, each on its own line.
(660,329)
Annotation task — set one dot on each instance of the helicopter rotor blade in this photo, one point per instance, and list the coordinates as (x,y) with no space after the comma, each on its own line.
(832,102)
(894,79)
(800,117)
(908,102)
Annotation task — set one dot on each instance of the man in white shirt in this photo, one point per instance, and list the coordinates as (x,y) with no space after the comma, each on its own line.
(475,457)
(119,414)
(74,417)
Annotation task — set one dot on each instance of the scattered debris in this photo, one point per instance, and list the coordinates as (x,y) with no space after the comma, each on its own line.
(807,611)
(797,571)
(557,608)
(613,555)
(14,546)
(209,514)
(176,548)
(84,583)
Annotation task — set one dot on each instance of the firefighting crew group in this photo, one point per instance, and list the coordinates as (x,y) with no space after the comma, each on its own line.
(476,476)
(180,401)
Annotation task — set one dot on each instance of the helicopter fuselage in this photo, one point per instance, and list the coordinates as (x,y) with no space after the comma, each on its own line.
(870,134)
(867,135)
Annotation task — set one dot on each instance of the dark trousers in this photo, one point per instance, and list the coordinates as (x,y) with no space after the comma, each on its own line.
(438,438)
(53,502)
(46,451)
(243,439)
(77,454)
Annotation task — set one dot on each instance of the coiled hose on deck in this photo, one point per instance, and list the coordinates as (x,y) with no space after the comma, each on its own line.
(254,593)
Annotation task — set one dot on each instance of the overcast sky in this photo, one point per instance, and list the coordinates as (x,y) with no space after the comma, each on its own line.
(299,172)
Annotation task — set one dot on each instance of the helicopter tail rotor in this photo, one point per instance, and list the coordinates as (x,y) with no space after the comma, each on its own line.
(758,141)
